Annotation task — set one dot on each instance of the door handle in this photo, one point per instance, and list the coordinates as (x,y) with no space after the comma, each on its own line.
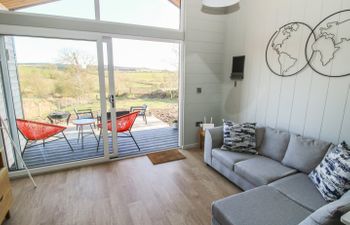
(111,99)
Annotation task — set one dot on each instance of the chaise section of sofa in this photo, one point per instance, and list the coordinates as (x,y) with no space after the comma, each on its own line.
(260,206)
(299,188)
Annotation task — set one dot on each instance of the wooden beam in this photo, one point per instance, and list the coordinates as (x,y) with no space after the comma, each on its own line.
(15,4)
(177,3)
(3,7)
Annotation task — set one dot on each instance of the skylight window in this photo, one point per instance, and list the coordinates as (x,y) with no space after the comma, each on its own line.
(155,13)
(69,8)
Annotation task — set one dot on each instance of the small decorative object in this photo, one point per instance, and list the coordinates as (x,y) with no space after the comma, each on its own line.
(332,176)
(219,3)
(175,124)
(326,48)
(282,53)
(206,125)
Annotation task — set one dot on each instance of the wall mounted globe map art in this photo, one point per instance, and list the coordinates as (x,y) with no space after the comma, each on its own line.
(329,52)
(284,52)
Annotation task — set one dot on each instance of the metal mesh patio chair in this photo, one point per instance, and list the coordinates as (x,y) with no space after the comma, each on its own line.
(124,125)
(142,111)
(37,131)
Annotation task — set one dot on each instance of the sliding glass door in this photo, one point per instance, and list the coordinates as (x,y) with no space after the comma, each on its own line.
(142,95)
(54,95)
(78,88)
(144,79)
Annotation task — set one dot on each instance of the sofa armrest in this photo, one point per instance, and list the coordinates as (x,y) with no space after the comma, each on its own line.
(213,139)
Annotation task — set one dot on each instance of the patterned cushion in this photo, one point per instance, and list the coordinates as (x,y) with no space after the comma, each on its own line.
(239,137)
(332,176)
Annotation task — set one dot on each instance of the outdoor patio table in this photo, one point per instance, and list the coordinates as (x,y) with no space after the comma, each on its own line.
(57,117)
(81,123)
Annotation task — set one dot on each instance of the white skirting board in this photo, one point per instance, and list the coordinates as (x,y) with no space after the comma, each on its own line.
(190,146)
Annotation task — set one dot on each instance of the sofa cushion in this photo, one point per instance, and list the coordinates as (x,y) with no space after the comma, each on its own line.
(239,137)
(274,144)
(332,176)
(262,205)
(304,154)
(329,214)
(259,135)
(300,189)
(230,158)
(261,170)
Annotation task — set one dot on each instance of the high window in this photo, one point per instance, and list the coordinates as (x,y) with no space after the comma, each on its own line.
(70,8)
(155,13)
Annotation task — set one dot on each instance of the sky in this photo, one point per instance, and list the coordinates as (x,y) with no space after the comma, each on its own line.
(127,53)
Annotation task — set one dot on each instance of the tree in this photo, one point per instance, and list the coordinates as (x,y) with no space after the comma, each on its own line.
(76,63)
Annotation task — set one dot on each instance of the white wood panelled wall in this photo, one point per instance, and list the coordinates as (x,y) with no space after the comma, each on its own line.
(204,55)
(307,103)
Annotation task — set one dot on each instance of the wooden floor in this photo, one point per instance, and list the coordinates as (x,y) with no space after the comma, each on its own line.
(126,192)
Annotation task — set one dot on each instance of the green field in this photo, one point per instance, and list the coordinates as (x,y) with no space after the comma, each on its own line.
(49,87)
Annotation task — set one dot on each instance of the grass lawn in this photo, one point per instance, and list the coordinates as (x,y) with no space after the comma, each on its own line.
(49,88)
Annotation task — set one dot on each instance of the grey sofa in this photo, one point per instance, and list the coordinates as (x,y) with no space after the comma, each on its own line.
(277,188)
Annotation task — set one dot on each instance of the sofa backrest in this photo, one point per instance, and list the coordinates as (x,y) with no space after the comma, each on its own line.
(304,154)
(259,136)
(292,150)
(274,144)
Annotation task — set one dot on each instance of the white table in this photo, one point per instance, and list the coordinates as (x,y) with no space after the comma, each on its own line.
(80,123)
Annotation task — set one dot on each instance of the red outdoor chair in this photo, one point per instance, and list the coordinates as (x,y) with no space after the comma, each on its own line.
(124,124)
(36,131)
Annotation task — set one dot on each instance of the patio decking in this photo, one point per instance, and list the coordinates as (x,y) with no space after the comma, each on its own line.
(58,152)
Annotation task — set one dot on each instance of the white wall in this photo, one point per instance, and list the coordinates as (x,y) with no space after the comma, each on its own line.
(307,103)
(204,55)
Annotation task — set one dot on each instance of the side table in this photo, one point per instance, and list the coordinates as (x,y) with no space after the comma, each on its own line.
(80,123)
(201,134)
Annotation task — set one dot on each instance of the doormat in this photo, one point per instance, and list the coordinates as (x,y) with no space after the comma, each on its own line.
(165,156)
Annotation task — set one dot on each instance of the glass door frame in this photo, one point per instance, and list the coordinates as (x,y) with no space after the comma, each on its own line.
(110,98)
(102,86)
(112,90)
(100,39)
(112,95)
(8,102)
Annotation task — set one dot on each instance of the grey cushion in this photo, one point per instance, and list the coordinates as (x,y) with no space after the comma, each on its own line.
(275,144)
(230,158)
(329,214)
(261,170)
(309,221)
(259,135)
(300,188)
(229,174)
(304,154)
(260,206)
